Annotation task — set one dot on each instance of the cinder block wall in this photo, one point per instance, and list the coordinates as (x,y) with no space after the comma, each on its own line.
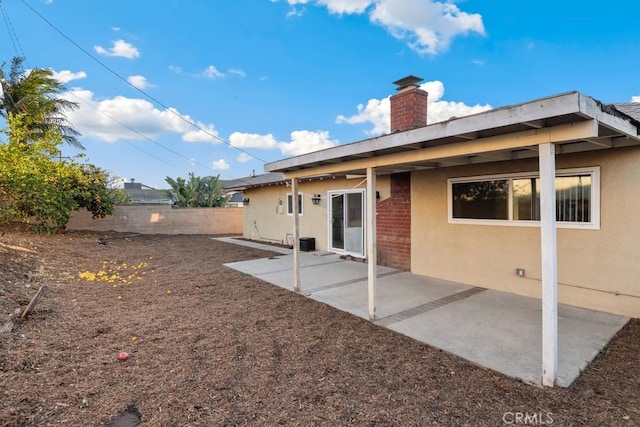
(162,219)
(393,224)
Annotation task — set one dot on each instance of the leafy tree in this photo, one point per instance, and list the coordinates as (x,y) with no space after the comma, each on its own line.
(33,94)
(93,189)
(196,192)
(37,188)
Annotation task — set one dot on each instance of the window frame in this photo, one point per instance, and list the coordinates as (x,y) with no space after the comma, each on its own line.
(290,204)
(594,224)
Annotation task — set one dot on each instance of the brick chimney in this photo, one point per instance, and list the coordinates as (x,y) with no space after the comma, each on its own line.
(409,105)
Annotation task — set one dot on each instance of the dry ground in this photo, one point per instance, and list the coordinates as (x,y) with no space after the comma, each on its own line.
(223,348)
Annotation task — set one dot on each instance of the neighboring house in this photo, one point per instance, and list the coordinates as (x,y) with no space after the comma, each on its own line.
(140,194)
(465,199)
(235,199)
(233,189)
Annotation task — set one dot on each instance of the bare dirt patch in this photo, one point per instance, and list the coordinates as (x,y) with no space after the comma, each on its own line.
(211,346)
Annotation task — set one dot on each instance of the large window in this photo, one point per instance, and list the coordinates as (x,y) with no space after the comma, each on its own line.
(290,204)
(514,199)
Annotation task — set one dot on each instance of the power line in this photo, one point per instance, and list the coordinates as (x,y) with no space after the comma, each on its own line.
(129,128)
(13,36)
(163,105)
(12,33)
(190,160)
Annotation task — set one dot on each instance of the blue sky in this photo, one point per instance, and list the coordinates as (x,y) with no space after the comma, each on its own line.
(279,78)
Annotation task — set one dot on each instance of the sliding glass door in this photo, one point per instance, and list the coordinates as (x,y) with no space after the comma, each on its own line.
(346,221)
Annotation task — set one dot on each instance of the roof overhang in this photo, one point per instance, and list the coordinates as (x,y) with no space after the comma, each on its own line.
(572,121)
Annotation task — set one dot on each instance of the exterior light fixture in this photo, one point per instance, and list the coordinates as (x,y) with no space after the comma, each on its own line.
(245,201)
(316,199)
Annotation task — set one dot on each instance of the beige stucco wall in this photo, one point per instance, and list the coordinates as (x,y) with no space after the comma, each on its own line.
(597,269)
(163,219)
(266,219)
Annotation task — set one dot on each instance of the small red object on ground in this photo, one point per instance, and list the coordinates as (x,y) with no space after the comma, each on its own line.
(123,356)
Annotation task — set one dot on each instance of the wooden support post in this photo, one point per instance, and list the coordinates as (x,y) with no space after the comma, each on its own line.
(372,251)
(549,255)
(296,235)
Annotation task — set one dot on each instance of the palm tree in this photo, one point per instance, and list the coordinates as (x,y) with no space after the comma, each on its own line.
(33,95)
(196,192)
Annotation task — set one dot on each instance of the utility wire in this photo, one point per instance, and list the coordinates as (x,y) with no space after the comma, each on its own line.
(20,53)
(15,41)
(132,130)
(149,139)
(163,105)
(12,33)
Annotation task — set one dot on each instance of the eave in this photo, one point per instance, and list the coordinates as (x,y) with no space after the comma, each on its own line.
(572,121)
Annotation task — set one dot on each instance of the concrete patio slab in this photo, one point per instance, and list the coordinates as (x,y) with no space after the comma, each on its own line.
(504,332)
(493,329)
(395,293)
(254,244)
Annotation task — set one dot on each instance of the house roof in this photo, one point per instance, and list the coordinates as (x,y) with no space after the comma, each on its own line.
(236,198)
(253,181)
(573,121)
(147,196)
(631,109)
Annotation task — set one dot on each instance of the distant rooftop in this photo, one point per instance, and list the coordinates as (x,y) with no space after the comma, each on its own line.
(253,181)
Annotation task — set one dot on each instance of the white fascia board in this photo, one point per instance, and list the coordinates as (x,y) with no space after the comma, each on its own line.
(540,109)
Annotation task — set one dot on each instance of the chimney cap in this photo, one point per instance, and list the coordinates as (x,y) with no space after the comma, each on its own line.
(410,80)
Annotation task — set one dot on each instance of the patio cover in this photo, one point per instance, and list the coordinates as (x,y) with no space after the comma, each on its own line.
(560,124)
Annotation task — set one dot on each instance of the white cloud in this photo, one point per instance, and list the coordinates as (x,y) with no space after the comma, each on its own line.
(65,76)
(120,48)
(139,81)
(635,99)
(252,140)
(428,26)
(237,72)
(302,141)
(176,69)
(377,111)
(204,134)
(104,119)
(305,141)
(220,165)
(115,29)
(346,6)
(294,12)
(212,72)
(243,157)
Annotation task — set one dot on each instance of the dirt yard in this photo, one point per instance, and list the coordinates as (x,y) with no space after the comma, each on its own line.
(209,346)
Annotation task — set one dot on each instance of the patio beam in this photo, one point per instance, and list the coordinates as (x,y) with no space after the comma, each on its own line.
(530,138)
(296,235)
(549,255)
(372,252)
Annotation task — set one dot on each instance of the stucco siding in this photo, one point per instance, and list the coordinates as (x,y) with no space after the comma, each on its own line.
(597,269)
(265,217)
